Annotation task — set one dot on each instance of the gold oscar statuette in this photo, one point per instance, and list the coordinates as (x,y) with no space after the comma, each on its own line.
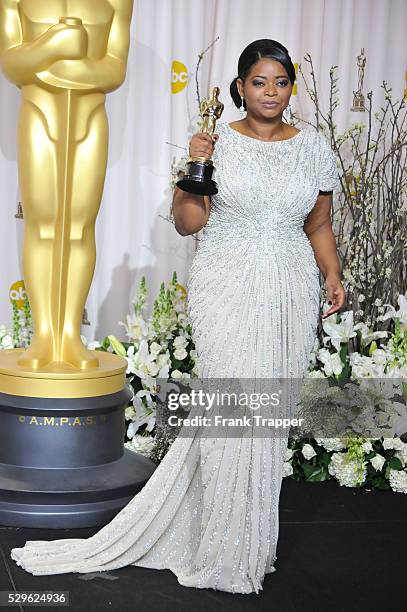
(64,56)
(358,97)
(198,176)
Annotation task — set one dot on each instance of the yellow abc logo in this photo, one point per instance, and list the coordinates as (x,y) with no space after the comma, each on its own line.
(18,294)
(294,92)
(179,76)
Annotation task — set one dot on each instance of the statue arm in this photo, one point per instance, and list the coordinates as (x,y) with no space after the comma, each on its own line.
(21,61)
(105,74)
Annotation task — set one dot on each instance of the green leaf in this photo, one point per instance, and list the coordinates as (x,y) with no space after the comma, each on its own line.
(372,348)
(395,463)
(117,346)
(314,473)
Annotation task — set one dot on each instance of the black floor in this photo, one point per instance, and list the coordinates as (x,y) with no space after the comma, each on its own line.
(340,550)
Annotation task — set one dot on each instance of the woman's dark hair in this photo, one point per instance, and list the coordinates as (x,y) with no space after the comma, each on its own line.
(257,50)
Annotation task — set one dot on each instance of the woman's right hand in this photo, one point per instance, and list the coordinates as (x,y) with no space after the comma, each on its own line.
(202,145)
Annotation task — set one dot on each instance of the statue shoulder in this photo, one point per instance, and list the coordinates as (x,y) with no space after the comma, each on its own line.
(124,7)
(10,27)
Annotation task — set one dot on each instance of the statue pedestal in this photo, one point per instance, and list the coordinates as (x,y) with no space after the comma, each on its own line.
(62,459)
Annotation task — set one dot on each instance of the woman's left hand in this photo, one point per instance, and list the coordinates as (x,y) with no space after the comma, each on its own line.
(335,294)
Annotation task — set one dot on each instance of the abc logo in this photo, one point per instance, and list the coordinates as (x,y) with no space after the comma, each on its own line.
(294,91)
(18,294)
(179,76)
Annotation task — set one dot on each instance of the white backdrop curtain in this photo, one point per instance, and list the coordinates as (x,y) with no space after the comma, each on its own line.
(134,235)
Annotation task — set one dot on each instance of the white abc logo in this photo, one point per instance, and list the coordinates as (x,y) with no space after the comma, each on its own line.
(18,294)
(179,77)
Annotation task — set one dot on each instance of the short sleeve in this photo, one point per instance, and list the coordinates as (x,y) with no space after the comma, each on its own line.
(328,177)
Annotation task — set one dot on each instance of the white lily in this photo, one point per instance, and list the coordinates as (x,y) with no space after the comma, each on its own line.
(144,414)
(367,335)
(362,366)
(339,332)
(136,327)
(400,314)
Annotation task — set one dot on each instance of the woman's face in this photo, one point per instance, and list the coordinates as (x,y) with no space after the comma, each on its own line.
(266,89)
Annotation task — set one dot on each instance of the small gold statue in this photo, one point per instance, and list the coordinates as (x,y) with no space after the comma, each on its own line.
(358,97)
(19,214)
(210,111)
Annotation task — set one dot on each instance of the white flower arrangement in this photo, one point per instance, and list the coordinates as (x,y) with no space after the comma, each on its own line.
(346,472)
(161,347)
(6,339)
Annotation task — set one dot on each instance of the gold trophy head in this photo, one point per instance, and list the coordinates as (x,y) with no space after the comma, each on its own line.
(215,94)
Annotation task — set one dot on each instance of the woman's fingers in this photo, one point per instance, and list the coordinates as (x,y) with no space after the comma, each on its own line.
(201,145)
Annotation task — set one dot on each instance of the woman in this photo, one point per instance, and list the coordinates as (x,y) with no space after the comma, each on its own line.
(210,510)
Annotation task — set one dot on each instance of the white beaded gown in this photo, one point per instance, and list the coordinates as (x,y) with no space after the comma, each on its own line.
(209,512)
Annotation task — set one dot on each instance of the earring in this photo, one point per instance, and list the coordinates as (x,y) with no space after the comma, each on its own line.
(242,108)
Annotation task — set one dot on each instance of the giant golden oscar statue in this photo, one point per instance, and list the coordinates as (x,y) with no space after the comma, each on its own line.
(63,403)
(64,55)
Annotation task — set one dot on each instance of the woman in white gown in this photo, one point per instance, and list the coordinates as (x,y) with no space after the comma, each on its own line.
(209,512)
